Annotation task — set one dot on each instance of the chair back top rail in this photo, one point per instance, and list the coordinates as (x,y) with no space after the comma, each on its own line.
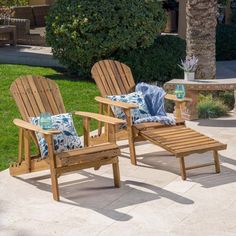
(113,77)
(36,94)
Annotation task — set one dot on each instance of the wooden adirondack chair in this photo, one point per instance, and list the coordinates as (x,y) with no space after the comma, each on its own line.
(114,78)
(35,94)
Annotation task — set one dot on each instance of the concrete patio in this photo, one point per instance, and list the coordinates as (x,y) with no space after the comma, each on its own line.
(153,200)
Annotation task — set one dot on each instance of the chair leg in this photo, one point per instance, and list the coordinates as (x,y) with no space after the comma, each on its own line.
(53,172)
(132,151)
(216,161)
(182,168)
(116,173)
(130,137)
(27,149)
(21,145)
(54,181)
(99,122)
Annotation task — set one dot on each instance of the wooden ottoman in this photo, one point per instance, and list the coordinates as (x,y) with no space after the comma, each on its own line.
(182,141)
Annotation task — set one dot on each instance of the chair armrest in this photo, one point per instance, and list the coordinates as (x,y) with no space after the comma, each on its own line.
(174,98)
(99,117)
(28,126)
(123,105)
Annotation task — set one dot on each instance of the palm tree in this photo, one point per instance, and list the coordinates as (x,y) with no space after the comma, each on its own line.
(201,35)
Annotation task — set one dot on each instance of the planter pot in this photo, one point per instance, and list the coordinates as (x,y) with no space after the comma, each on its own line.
(189,76)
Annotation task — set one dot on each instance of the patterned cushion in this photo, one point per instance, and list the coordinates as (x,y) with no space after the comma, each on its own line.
(64,141)
(167,120)
(136,98)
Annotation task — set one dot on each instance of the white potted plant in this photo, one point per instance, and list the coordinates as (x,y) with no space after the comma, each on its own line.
(189,66)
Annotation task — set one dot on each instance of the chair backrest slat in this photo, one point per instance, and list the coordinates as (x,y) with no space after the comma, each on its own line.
(49,93)
(36,90)
(26,101)
(27,85)
(110,74)
(35,94)
(102,70)
(116,67)
(100,80)
(43,101)
(57,96)
(113,77)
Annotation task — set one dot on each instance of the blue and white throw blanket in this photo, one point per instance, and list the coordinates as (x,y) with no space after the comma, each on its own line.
(154,98)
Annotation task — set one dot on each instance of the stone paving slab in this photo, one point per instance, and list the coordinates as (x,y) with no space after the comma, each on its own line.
(153,200)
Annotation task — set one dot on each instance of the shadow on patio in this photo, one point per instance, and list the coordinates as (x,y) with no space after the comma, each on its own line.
(97,193)
(217,123)
(163,160)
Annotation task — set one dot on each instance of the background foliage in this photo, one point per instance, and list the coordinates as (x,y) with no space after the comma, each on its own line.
(157,62)
(225,42)
(223,2)
(82,32)
(227,97)
(209,107)
(9,3)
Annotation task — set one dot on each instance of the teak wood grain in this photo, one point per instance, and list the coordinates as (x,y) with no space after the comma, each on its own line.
(115,78)
(35,94)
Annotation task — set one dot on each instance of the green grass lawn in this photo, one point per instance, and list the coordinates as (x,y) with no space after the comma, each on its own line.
(77,95)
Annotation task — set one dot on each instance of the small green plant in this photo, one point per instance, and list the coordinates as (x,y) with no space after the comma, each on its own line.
(228,99)
(211,108)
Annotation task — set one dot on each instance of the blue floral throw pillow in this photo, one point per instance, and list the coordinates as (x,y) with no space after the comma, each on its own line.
(64,141)
(136,98)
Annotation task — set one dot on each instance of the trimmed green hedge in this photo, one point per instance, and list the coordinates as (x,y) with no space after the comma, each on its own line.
(226,42)
(157,62)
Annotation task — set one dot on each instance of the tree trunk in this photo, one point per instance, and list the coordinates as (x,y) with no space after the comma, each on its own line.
(201,35)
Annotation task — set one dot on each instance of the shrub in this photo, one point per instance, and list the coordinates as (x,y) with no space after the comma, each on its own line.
(82,32)
(223,2)
(233,18)
(211,108)
(228,99)
(9,3)
(225,42)
(169,106)
(157,62)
